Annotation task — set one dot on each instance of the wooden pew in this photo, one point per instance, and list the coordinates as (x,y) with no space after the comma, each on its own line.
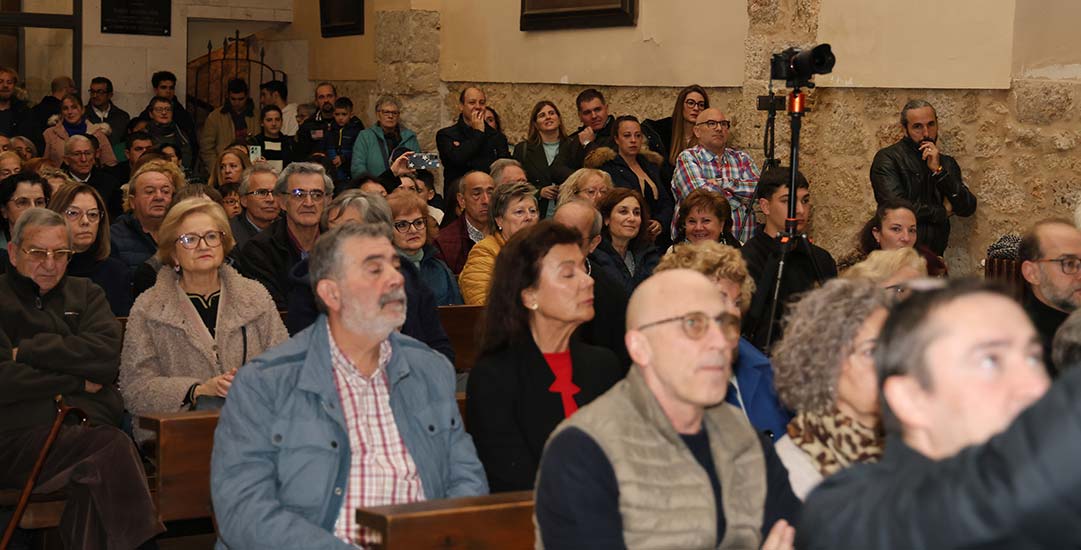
(464,328)
(181,455)
(502,521)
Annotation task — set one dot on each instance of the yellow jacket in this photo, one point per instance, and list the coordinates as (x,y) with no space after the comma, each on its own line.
(476,275)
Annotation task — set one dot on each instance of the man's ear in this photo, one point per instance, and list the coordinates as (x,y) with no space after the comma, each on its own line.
(763,205)
(11,252)
(594,243)
(1031,272)
(461,201)
(638,347)
(907,400)
(329,291)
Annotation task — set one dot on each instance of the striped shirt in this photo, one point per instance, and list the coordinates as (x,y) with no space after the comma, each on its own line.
(381,470)
(733,174)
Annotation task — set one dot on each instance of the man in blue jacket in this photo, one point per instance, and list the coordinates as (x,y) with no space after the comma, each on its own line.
(346,414)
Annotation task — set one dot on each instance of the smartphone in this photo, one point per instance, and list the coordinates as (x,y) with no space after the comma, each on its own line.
(255,153)
(424,161)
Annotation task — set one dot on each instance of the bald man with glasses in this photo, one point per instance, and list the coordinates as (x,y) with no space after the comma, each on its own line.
(713,165)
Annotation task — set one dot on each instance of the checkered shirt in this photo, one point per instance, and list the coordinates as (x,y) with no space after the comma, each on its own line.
(734,174)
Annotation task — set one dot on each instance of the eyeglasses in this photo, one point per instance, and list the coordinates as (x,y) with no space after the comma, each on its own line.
(190,241)
(692,104)
(1070,264)
(75,214)
(162,110)
(714,124)
(231,202)
(61,255)
(403,226)
(390,113)
(299,194)
(696,324)
(261,193)
(27,202)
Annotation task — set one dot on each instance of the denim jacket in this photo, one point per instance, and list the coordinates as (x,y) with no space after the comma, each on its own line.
(281,456)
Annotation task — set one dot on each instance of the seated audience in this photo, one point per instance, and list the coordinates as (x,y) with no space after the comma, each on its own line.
(471,143)
(335,383)
(713,165)
(73,122)
(751,386)
(19,193)
(531,373)
(84,210)
(230,199)
(80,162)
(375,146)
(644,465)
(234,122)
(200,322)
(626,251)
(302,190)
(671,135)
(411,234)
(545,154)
(134,236)
(259,208)
(587,184)
(16,118)
(10,164)
(230,166)
(513,207)
(425,184)
(893,226)
(456,239)
(164,129)
(56,177)
(24,148)
(705,215)
(824,370)
(50,105)
(890,269)
(137,144)
(633,166)
(950,379)
(59,338)
(507,171)
(146,275)
(339,142)
(1050,255)
(275,147)
(102,110)
(1066,347)
(597,127)
(370,184)
(805,266)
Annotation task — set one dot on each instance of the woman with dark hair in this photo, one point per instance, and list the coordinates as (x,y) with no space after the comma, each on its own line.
(670,136)
(633,165)
(84,209)
(626,252)
(19,193)
(545,154)
(705,215)
(532,372)
(893,226)
(73,122)
(513,207)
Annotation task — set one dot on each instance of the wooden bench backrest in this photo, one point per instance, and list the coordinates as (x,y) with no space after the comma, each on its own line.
(181,484)
(501,521)
(464,328)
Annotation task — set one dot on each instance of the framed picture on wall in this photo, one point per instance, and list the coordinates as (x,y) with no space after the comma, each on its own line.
(341,17)
(538,15)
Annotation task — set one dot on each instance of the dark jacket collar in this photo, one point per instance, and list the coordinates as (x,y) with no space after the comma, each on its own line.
(25,286)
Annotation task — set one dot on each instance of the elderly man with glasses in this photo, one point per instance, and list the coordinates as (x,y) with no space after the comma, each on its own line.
(713,165)
(1050,255)
(59,337)
(259,208)
(643,466)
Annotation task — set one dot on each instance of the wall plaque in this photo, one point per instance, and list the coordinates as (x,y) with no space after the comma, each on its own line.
(149,17)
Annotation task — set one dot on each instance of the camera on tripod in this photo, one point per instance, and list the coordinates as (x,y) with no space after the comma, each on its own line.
(796,67)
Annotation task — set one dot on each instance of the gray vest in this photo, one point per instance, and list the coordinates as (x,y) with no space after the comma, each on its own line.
(665,497)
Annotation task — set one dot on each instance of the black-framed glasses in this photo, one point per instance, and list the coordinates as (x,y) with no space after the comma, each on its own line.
(692,104)
(61,255)
(27,202)
(261,193)
(403,226)
(162,110)
(696,324)
(75,214)
(1070,265)
(714,124)
(190,241)
(299,194)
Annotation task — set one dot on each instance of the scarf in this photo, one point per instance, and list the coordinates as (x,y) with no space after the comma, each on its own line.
(835,441)
(77,129)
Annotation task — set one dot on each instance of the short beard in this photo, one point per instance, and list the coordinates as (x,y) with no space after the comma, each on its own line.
(374,323)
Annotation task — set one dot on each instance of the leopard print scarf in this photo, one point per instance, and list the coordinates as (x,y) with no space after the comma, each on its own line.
(835,441)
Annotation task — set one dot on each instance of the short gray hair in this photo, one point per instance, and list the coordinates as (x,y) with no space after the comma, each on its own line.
(26,143)
(1066,348)
(503,196)
(373,209)
(302,168)
(385,99)
(38,217)
(500,165)
(326,257)
(915,104)
(77,138)
(257,168)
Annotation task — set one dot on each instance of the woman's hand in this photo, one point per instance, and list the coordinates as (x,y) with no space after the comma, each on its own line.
(782,536)
(217,386)
(400,166)
(549,192)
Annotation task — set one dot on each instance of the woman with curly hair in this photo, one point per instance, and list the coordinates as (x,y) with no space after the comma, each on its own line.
(824,370)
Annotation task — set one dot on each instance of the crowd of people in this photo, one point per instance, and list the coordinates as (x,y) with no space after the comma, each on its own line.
(660,360)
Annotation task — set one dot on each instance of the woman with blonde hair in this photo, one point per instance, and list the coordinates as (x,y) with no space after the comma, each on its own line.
(201,321)
(587,184)
(889,268)
(230,167)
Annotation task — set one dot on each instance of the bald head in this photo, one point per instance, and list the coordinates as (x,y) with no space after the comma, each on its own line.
(581,215)
(715,139)
(670,293)
(474,192)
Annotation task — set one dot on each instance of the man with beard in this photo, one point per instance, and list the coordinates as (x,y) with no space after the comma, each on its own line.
(1050,255)
(313,131)
(914,169)
(16,117)
(348,413)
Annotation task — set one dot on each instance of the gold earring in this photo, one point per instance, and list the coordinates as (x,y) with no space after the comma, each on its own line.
(534,306)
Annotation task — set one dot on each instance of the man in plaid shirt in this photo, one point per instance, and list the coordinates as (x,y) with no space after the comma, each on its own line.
(713,165)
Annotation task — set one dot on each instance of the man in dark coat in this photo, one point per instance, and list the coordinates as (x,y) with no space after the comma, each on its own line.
(956,366)
(101,109)
(59,337)
(133,236)
(315,129)
(914,169)
(470,143)
(458,237)
(164,83)
(16,117)
(1050,255)
(80,162)
(597,126)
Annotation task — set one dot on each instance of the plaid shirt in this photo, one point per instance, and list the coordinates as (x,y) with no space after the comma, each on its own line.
(381,470)
(733,174)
